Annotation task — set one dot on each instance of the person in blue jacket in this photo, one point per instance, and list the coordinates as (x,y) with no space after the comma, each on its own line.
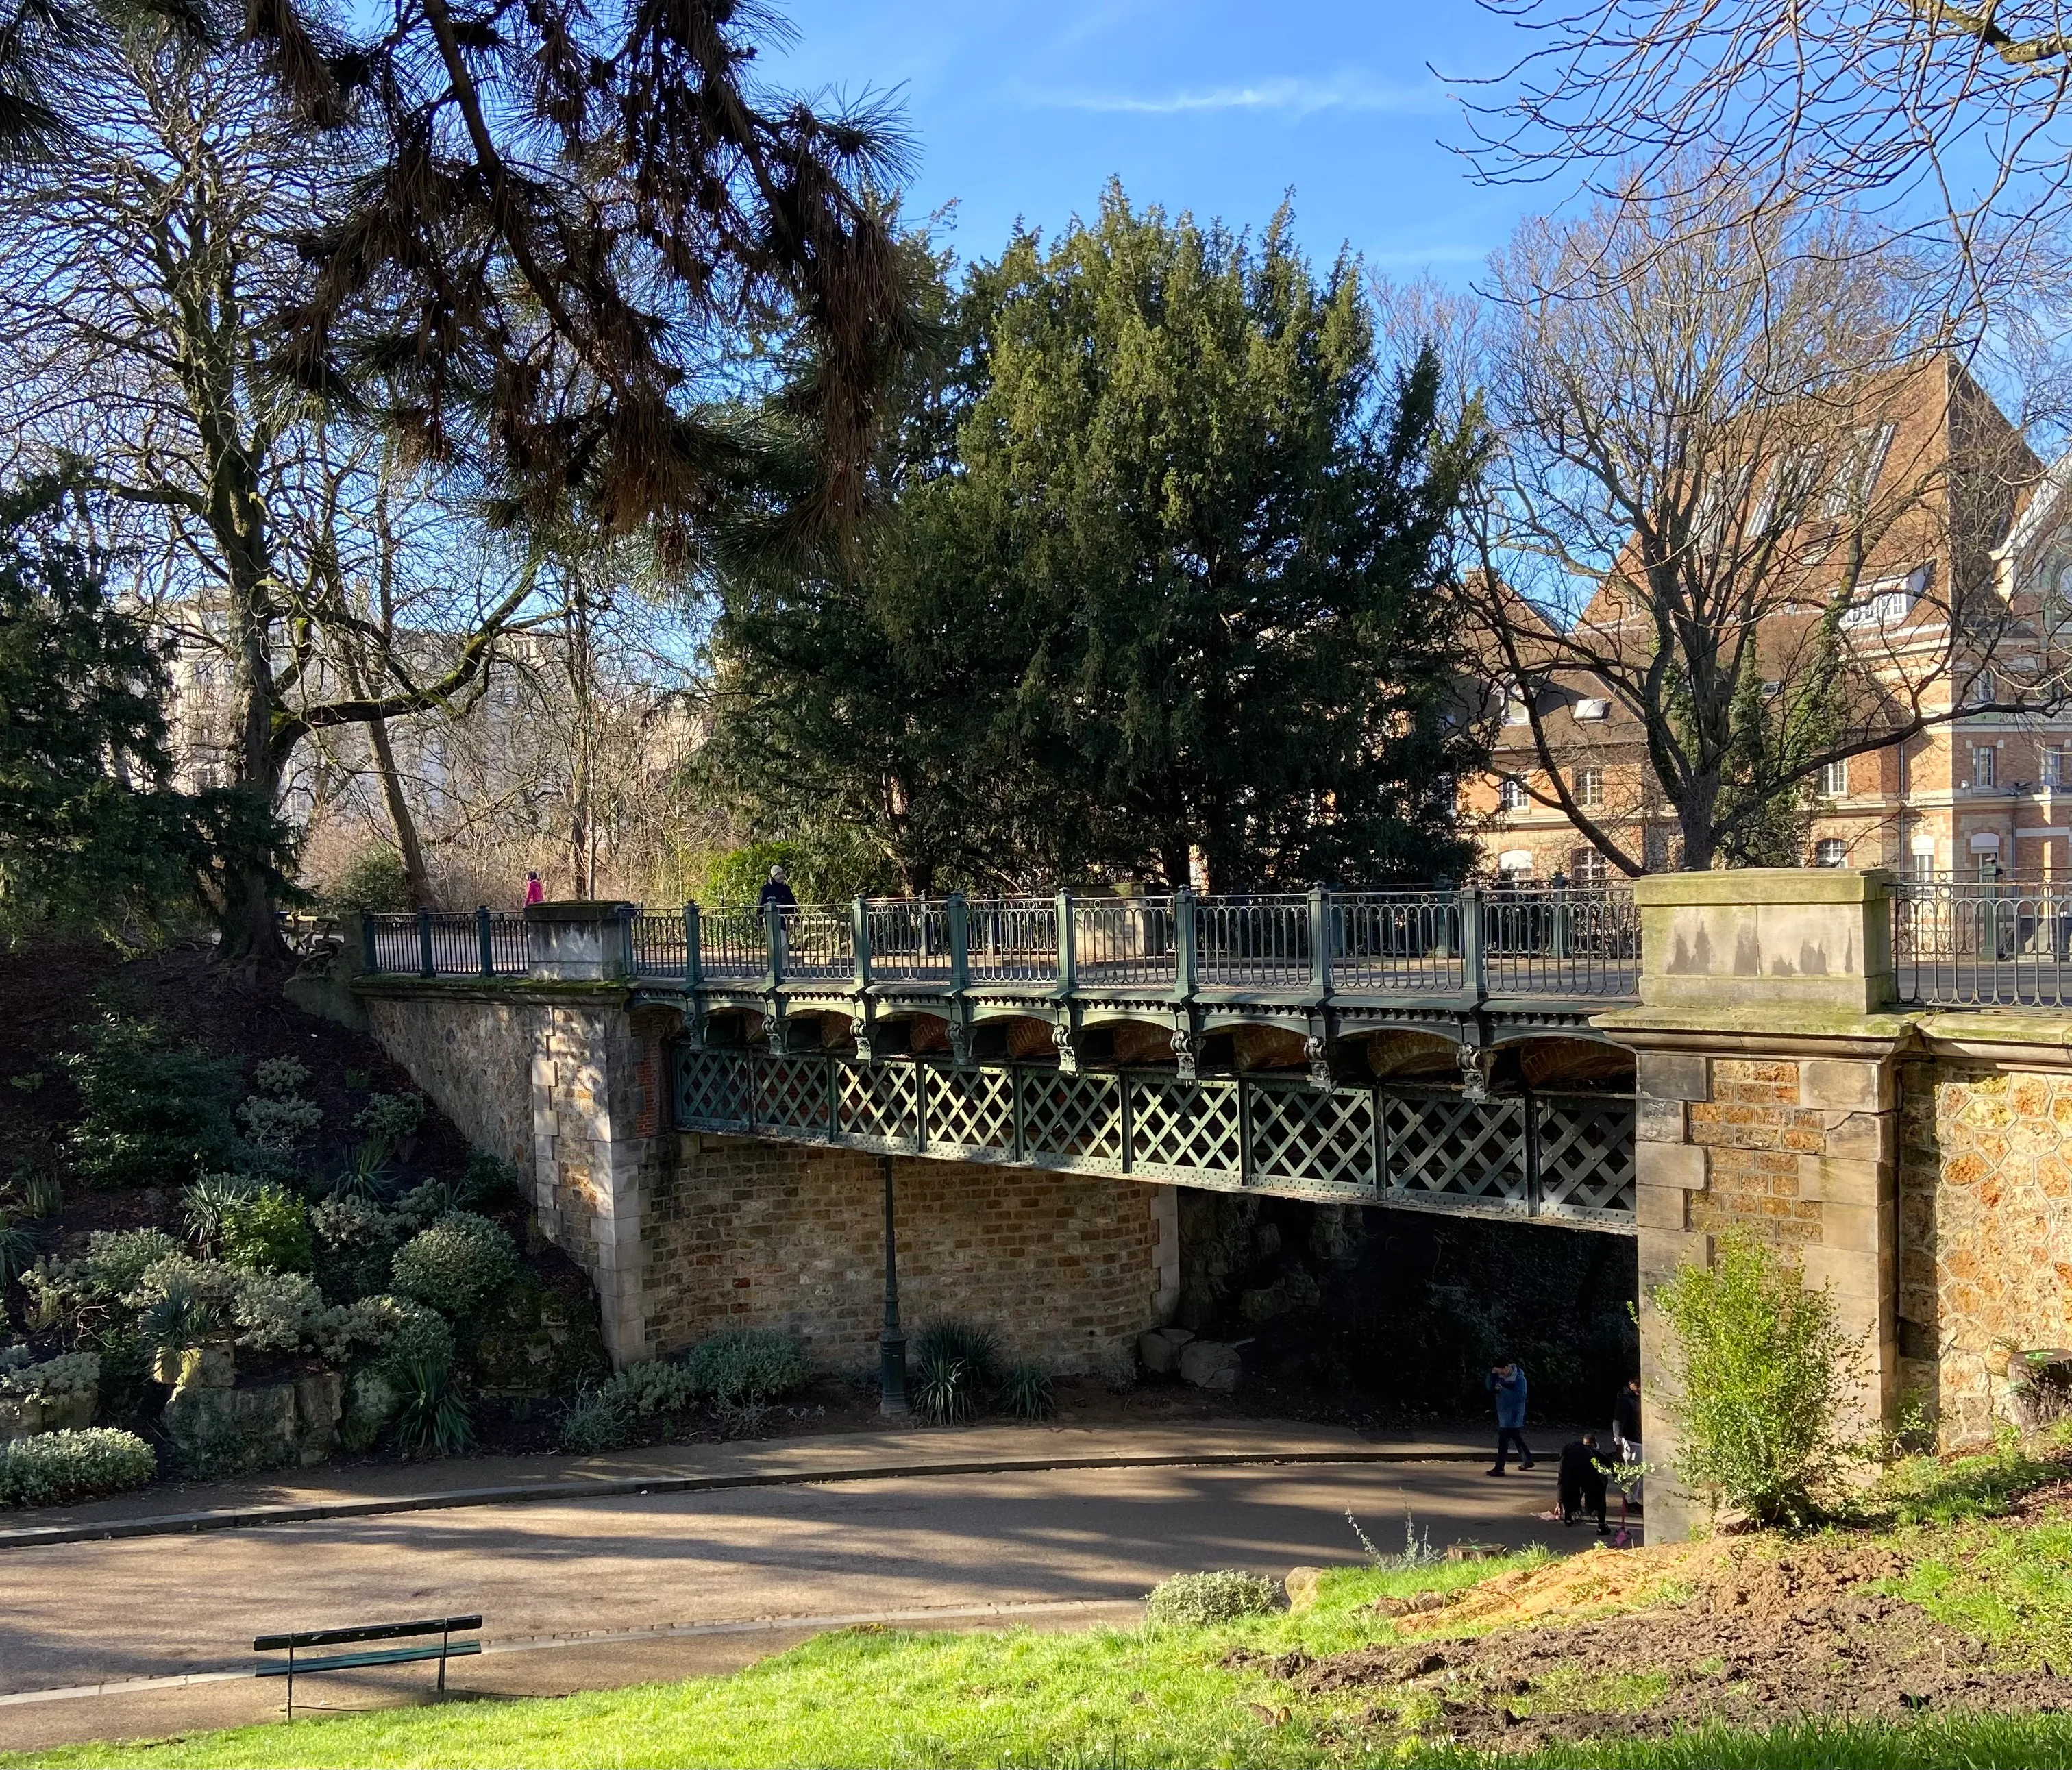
(1506,1382)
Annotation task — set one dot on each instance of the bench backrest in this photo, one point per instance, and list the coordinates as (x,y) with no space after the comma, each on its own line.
(375,1631)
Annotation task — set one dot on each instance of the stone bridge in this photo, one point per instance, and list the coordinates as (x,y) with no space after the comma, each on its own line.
(709,1108)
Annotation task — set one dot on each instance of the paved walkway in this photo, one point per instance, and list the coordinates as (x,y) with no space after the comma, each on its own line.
(583,1587)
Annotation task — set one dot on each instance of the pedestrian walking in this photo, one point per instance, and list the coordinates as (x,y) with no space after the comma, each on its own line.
(1506,1382)
(535,892)
(777,890)
(1581,1481)
(1626,1434)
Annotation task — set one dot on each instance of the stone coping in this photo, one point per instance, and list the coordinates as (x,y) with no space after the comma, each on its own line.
(1760,885)
(581,910)
(381,1491)
(593,992)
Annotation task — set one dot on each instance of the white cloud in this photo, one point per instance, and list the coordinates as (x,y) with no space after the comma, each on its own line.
(1288,98)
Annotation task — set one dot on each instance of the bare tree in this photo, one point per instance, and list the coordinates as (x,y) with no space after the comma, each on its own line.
(140,266)
(1946,120)
(1754,513)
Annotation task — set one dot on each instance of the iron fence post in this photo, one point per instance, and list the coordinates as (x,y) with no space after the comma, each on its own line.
(485,950)
(628,920)
(694,963)
(1068,964)
(1320,943)
(859,910)
(1475,970)
(955,912)
(428,968)
(1187,944)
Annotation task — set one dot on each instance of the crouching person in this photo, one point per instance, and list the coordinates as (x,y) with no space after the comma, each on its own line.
(1582,1481)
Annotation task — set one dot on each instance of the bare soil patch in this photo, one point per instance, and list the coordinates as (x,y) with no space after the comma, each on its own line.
(1764,1637)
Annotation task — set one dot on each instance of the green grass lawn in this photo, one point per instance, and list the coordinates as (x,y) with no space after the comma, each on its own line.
(1164,1696)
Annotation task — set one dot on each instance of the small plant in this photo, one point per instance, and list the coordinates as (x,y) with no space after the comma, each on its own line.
(42,1194)
(652,1388)
(280,1076)
(117,1259)
(54,1468)
(179,1318)
(424,1203)
(27,1082)
(276,1311)
(739,1419)
(354,1242)
(1757,1363)
(1417,1548)
(954,1363)
(486,1179)
(456,1263)
(279,1126)
(358,1081)
(748,1364)
(18,1250)
(266,1230)
(156,1113)
(204,1204)
(69,1373)
(1201,1600)
(431,1413)
(1025,1393)
(592,1424)
(394,1117)
(366,1177)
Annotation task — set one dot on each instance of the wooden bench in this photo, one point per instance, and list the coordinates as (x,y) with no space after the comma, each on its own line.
(445,1628)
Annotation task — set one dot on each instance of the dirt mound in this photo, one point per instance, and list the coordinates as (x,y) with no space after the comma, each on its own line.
(1765,1635)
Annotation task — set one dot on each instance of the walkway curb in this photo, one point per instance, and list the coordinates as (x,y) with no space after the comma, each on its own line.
(537,1493)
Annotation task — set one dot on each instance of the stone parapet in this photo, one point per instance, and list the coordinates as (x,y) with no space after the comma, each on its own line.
(578,942)
(1770,938)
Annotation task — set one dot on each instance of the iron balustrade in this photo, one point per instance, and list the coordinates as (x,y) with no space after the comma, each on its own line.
(480,943)
(1471,944)
(1982,943)
(1544,1155)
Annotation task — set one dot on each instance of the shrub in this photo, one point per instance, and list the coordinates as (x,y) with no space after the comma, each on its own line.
(747,1365)
(655,1388)
(486,1179)
(156,1113)
(117,1259)
(277,1311)
(1758,1381)
(281,1077)
(394,1331)
(204,1203)
(1026,1394)
(592,1424)
(391,1118)
(69,1373)
(366,1176)
(267,1230)
(426,1203)
(178,1318)
(18,1251)
(431,1414)
(1199,1600)
(955,1364)
(456,1263)
(374,881)
(353,1247)
(279,1126)
(55,1468)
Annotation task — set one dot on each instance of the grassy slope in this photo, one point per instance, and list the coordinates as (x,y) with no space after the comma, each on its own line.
(1162,1696)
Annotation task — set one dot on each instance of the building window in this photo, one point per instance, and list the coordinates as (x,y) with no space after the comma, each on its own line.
(1586,870)
(1830,851)
(1852,487)
(1983,763)
(1511,794)
(1515,712)
(1835,779)
(1593,709)
(1589,788)
(2053,765)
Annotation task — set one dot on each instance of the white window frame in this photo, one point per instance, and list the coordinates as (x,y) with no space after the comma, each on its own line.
(1590,787)
(1512,796)
(1587,870)
(1835,779)
(1830,851)
(1985,767)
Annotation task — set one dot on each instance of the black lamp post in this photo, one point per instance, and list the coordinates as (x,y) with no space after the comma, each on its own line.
(891,1343)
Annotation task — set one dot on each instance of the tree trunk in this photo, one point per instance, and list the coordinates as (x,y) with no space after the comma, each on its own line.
(400,819)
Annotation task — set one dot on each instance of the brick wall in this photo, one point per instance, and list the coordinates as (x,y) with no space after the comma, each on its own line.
(740,1232)
(1985,1233)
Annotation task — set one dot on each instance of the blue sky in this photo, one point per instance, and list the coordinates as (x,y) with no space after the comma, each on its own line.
(1025,109)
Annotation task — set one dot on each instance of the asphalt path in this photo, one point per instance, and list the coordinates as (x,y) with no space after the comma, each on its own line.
(607,1591)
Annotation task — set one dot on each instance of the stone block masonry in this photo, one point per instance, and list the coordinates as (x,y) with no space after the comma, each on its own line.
(684,1234)
(737,1233)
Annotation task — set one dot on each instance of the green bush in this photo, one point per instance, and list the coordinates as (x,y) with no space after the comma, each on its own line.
(456,1263)
(280,1076)
(956,1365)
(18,1252)
(426,1203)
(1757,1368)
(353,1244)
(279,1126)
(748,1364)
(117,1259)
(1199,1600)
(156,1113)
(640,1391)
(386,1332)
(392,1118)
(277,1311)
(431,1413)
(375,880)
(69,1373)
(54,1468)
(1026,1394)
(592,1424)
(267,1230)
(204,1204)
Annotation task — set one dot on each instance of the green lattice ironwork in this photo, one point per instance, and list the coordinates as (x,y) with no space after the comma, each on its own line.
(1560,1156)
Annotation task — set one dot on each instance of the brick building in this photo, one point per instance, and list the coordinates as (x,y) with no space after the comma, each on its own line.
(1993,785)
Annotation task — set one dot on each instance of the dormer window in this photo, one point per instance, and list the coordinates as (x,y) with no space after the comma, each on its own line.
(1515,712)
(1589,709)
